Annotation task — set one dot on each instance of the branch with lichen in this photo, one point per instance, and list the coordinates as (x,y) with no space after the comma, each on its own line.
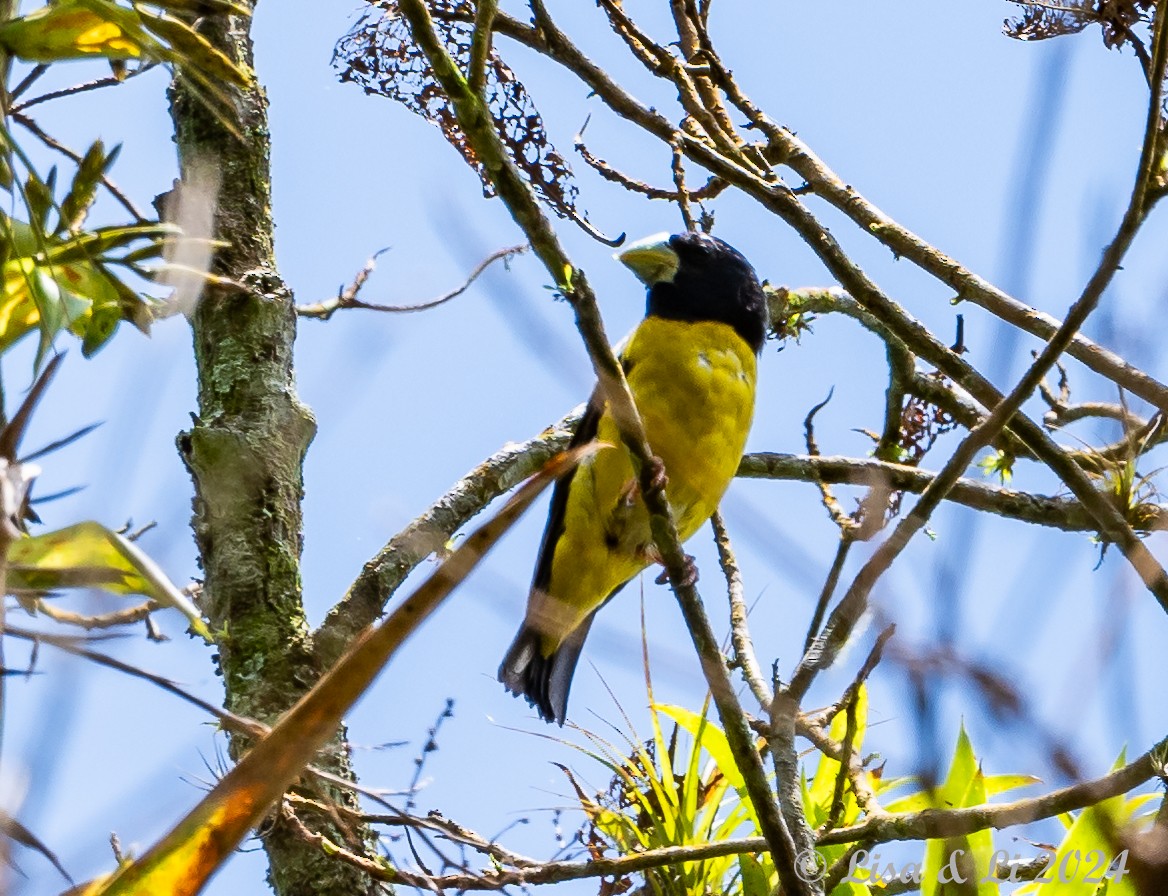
(367,596)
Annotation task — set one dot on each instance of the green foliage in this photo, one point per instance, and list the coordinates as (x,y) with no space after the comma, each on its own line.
(57,276)
(670,793)
(157,31)
(60,279)
(88,555)
(1086,863)
(1000,464)
(685,790)
(964,786)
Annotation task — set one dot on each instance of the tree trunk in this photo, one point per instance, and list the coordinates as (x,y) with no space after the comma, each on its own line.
(245,452)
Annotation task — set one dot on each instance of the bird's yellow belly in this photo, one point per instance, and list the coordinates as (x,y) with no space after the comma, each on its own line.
(694,386)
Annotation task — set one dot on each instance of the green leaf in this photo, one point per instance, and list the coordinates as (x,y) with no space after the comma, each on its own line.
(38,197)
(969,855)
(755,881)
(1081,863)
(822,790)
(996,784)
(713,741)
(69,29)
(83,190)
(90,555)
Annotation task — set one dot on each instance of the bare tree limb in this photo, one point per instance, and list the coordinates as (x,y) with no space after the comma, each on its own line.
(53,143)
(744,654)
(429,533)
(929,824)
(347,298)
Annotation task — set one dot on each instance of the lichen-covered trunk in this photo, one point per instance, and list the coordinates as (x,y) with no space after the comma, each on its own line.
(246,447)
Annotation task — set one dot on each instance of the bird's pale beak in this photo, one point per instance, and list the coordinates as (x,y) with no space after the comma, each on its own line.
(652,259)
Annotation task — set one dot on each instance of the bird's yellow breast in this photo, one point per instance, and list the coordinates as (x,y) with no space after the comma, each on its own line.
(694,385)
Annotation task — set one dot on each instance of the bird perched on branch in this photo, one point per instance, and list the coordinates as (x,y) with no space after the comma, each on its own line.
(691,366)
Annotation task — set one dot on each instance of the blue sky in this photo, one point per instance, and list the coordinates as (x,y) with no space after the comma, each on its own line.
(927,109)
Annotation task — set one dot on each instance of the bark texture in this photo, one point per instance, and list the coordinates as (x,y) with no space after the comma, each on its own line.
(245,451)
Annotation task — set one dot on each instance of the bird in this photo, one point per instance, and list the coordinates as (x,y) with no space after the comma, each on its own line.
(691,365)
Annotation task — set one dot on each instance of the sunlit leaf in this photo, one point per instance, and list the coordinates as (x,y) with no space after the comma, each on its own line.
(1081,863)
(67,29)
(82,192)
(56,284)
(92,556)
(996,784)
(822,789)
(968,855)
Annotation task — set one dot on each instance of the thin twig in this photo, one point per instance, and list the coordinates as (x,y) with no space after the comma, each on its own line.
(128,616)
(678,166)
(1065,414)
(27,81)
(347,298)
(114,190)
(96,84)
(846,539)
(861,676)
(843,520)
(713,187)
(740,638)
(849,745)
(229,720)
(480,45)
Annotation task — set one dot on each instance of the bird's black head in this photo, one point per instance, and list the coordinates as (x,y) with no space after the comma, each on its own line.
(695,276)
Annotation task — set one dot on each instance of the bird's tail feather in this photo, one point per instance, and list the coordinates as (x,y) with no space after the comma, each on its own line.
(543,681)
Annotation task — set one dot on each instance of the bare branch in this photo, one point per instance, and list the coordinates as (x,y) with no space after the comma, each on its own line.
(127,616)
(929,824)
(846,540)
(480,47)
(114,190)
(428,534)
(678,166)
(744,654)
(712,188)
(347,298)
(85,87)
(1059,513)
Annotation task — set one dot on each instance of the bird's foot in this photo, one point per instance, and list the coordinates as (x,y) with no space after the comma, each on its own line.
(689,574)
(657,478)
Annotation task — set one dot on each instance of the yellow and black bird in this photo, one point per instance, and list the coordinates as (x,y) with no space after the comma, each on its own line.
(691,366)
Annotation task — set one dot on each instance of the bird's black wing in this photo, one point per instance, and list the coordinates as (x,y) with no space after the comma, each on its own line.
(544,681)
(585,433)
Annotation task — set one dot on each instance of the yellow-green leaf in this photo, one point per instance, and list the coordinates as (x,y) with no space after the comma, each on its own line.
(822,789)
(90,555)
(66,30)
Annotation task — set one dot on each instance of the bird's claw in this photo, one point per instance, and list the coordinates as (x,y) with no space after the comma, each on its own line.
(657,477)
(689,574)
